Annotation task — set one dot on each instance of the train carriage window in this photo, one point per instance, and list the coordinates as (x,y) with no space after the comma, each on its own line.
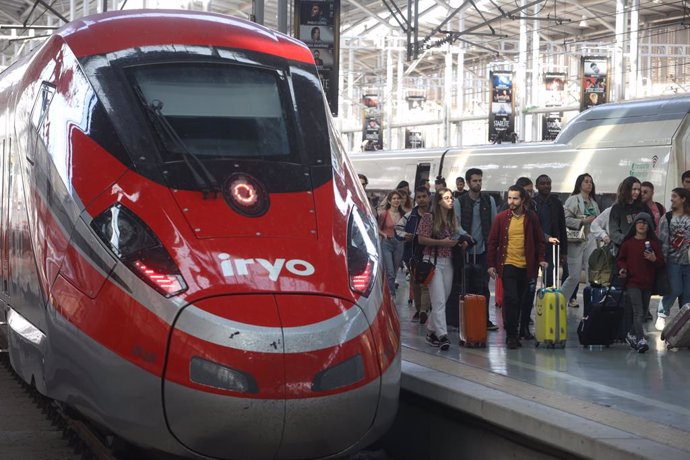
(216,110)
(43,100)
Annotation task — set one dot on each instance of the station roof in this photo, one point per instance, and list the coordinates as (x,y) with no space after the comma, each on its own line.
(488,29)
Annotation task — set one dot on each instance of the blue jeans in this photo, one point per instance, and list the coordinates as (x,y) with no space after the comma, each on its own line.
(679,277)
(392,252)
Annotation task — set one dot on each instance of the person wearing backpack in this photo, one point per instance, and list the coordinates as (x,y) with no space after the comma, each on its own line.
(675,243)
(639,257)
(476,211)
(407,230)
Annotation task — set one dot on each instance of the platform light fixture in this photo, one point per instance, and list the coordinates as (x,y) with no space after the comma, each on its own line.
(583,23)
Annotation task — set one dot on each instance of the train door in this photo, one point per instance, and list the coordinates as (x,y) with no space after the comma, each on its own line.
(422,174)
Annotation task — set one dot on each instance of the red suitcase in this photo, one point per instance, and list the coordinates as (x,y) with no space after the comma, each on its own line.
(472,316)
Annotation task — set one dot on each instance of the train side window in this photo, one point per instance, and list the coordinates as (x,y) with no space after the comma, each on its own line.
(41,104)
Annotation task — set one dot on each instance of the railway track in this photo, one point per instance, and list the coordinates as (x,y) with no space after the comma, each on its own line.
(33,427)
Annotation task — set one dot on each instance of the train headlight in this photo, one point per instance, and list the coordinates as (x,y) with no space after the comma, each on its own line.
(135,244)
(246,195)
(362,252)
(215,375)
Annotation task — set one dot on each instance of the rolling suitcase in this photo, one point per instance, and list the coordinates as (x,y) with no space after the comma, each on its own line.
(602,318)
(676,334)
(472,316)
(594,295)
(551,312)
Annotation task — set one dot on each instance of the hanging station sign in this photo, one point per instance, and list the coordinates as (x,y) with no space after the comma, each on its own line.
(554,87)
(502,116)
(317,23)
(595,81)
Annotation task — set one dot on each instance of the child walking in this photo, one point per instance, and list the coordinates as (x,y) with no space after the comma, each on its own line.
(639,258)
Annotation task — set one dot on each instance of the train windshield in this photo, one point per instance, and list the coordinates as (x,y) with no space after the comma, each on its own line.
(216,110)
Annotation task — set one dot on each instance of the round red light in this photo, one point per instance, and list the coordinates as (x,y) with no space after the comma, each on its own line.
(244,193)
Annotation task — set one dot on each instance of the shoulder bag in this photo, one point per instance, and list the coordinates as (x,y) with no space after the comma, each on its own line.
(423,270)
(576,236)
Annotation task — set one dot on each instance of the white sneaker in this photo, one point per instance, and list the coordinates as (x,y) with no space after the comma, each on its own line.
(660,323)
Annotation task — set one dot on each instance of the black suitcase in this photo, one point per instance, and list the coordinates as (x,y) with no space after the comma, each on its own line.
(593,295)
(603,320)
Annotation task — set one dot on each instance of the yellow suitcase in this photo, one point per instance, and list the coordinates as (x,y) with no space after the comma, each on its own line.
(550,322)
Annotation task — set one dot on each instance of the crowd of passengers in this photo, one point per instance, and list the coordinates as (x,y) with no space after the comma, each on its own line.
(513,241)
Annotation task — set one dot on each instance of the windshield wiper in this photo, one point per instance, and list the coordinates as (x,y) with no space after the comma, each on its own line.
(200,173)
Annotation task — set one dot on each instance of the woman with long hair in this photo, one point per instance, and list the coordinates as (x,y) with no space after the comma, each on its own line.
(438,233)
(628,204)
(581,208)
(391,248)
(407,203)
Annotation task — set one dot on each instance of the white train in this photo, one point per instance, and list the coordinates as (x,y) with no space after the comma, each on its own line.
(648,138)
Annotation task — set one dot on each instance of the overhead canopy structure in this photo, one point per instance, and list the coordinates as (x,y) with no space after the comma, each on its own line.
(484,27)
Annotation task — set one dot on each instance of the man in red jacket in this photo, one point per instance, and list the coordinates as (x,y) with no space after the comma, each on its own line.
(515,251)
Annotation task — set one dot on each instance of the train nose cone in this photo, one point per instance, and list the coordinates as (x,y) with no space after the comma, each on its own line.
(266,376)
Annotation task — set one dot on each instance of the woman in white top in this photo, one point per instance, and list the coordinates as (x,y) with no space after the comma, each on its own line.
(438,233)
(581,209)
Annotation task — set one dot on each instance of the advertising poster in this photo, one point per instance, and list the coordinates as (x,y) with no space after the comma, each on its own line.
(551,126)
(595,81)
(554,90)
(502,115)
(415,101)
(317,24)
(414,139)
(372,138)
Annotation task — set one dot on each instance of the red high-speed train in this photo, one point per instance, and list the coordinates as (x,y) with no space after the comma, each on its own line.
(188,258)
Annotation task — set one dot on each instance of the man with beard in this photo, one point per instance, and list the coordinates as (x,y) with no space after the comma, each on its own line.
(515,251)
(476,211)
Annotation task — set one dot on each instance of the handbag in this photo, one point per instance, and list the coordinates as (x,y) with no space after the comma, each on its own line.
(576,236)
(662,285)
(423,270)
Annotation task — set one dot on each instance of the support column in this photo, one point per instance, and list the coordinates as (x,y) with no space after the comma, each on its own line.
(621,23)
(258,11)
(634,49)
(388,97)
(520,85)
(400,97)
(536,74)
(350,80)
(460,96)
(447,91)
(462,86)
(72,10)
(283,16)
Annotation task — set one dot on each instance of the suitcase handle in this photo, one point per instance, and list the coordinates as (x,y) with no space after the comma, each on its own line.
(556,260)
(463,278)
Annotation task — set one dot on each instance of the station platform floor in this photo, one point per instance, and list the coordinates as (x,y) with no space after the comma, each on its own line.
(604,403)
